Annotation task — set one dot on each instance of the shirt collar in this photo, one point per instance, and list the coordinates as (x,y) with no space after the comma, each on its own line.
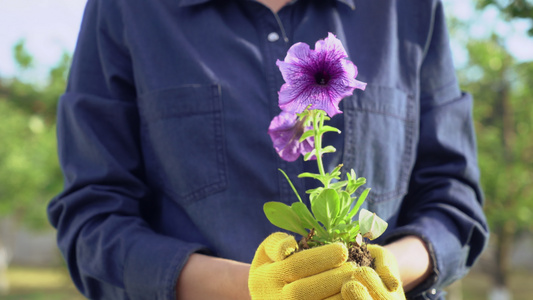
(350,3)
(192,2)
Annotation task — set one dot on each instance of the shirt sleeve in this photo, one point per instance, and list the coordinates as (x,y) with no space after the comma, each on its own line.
(110,250)
(444,201)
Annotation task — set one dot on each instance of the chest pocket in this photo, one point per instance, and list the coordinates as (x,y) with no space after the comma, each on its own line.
(381,129)
(183,140)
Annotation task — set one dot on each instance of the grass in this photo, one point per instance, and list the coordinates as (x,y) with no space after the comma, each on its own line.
(477,285)
(54,283)
(40,284)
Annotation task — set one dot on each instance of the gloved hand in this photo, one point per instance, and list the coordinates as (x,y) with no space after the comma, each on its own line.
(381,283)
(277,272)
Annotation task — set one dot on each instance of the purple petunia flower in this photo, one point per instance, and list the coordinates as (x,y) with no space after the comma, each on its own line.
(285,131)
(320,78)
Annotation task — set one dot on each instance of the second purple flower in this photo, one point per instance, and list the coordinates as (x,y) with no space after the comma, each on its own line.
(285,130)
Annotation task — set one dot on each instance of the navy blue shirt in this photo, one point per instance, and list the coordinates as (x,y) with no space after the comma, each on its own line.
(163,135)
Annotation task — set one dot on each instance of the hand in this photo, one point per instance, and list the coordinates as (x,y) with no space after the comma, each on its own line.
(278,272)
(381,283)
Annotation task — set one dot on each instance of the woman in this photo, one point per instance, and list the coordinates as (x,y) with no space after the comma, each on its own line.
(162,140)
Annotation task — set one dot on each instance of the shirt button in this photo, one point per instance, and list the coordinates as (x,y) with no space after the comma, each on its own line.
(273,36)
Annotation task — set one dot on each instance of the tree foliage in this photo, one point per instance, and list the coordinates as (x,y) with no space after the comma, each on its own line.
(29,170)
(503,114)
(512,9)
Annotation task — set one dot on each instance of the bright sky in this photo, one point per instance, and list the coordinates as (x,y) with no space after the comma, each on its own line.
(518,43)
(50,27)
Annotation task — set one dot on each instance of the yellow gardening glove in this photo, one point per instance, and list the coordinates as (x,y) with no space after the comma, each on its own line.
(277,272)
(381,283)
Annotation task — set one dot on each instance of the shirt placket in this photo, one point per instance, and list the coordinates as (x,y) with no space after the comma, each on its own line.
(274,42)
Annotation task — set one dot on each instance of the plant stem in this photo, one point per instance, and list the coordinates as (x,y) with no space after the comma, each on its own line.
(318,122)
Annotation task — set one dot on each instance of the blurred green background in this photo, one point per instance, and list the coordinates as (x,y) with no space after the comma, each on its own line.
(493,51)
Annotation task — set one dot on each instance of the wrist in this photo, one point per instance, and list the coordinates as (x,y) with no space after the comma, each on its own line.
(207,277)
(414,262)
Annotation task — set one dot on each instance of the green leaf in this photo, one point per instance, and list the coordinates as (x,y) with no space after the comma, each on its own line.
(336,172)
(305,135)
(371,225)
(315,191)
(345,205)
(346,232)
(326,207)
(314,194)
(282,216)
(338,185)
(355,229)
(360,201)
(337,169)
(312,175)
(308,155)
(327,128)
(351,175)
(343,228)
(328,149)
(354,183)
(307,219)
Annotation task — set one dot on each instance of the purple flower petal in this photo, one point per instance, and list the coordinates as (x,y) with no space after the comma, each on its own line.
(285,131)
(319,78)
(332,47)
